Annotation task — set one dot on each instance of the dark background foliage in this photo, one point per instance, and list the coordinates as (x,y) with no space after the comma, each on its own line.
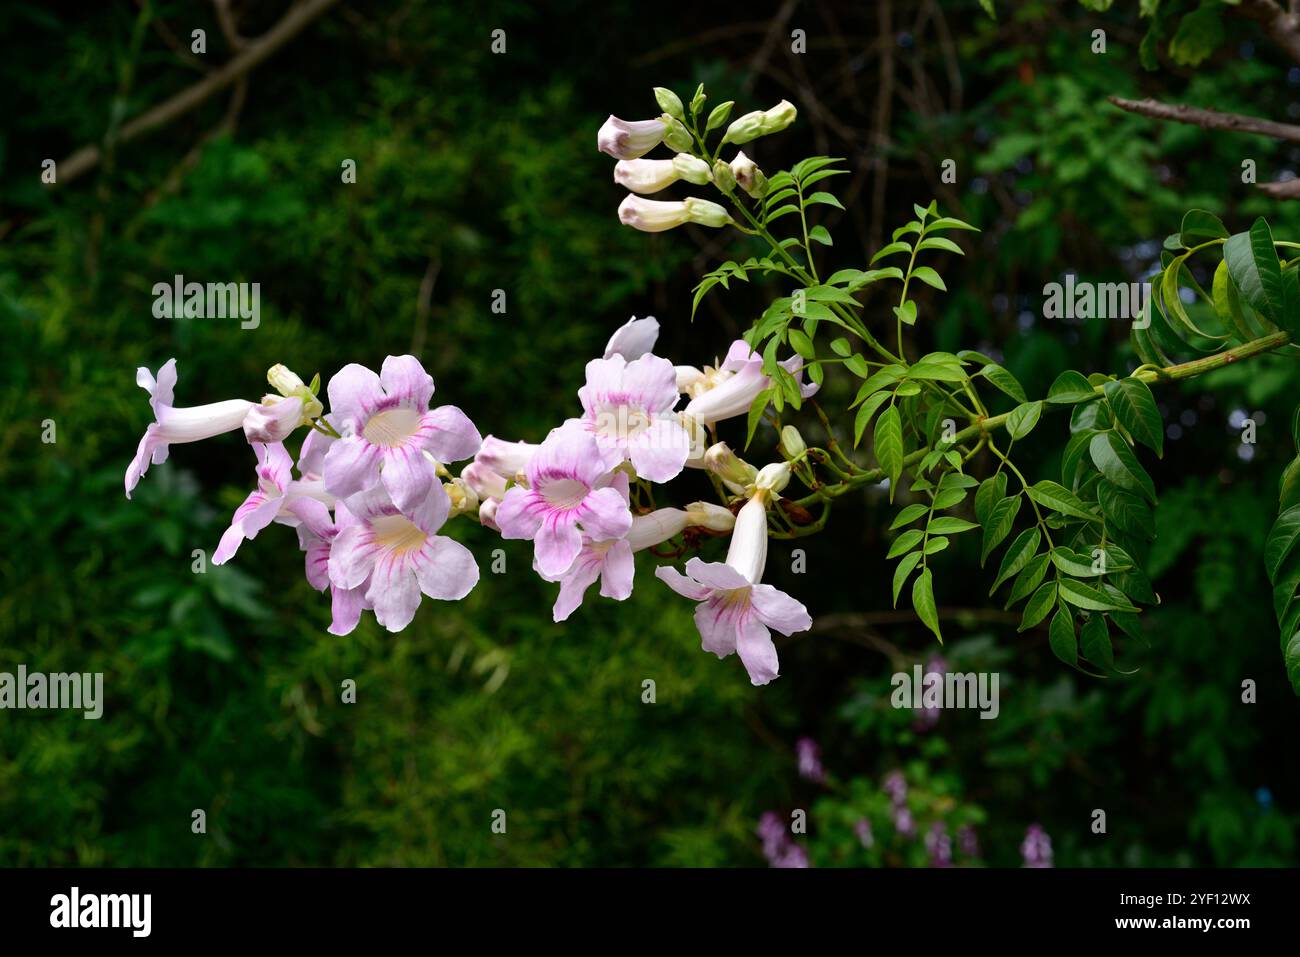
(478,172)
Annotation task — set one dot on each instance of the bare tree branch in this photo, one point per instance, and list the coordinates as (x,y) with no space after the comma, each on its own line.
(289,26)
(1282,26)
(1209,119)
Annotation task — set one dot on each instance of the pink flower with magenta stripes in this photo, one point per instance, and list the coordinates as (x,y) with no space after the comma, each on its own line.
(400,555)
(570,491)
(627,408)
(387,427)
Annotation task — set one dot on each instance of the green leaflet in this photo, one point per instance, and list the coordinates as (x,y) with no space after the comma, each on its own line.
(1060,636)
(1115,460)
(923,602)
(889,446)
(1023,418)
(1017,555)
(1135,408)
(1092,599)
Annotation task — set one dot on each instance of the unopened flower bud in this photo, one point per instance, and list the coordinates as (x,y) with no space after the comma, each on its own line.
(723,176)
(626,140)
(669,102)
(274,420)
(284,380)
(726,465)
(691,168)
(487,514)
(650,215)
(645,176)
(705,213)
(792,442)
(463,498)
(748,176)
(760,123)
(711,516)
(773,478)
(677,137)
(484,481)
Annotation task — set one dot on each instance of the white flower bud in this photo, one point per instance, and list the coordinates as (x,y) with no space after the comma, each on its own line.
(629,140)
(748,551)
(792,442)
(645,176)
(651,216)
(711,516)
(726,465)
(773,478)
(748,176)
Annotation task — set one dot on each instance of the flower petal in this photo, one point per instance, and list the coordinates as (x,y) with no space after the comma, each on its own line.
(718,575)
(351,466)
(346,605)
(659,453)
(404,378)
(354,392)
(352,557)
(681,584)
(449,435)
(519,516)
(633,339)
(617,573)
(605,514)
(716,619)
(573,587)
(754,644)
(556,546)
(445,569)
(394,592)
(778,610)
(409,476)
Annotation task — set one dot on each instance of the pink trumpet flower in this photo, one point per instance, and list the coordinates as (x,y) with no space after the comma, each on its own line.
(387,427)
(316,537)
(731,389)
(400,555)
(570,491)
(611,561)
(735,610)
(277,496)
(627,408)
(172,424)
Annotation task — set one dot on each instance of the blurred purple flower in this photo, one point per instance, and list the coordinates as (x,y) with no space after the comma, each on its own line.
(778,847)
(810,760)
(896,786)
(863,831)
(1037,847)
(903,823)
(939,844)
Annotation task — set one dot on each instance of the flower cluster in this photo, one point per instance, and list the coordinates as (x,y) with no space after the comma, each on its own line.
(373,487)
(628,141)
(373,490)
(368,501)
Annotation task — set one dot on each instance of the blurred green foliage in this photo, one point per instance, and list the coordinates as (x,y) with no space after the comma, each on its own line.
(478,172)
